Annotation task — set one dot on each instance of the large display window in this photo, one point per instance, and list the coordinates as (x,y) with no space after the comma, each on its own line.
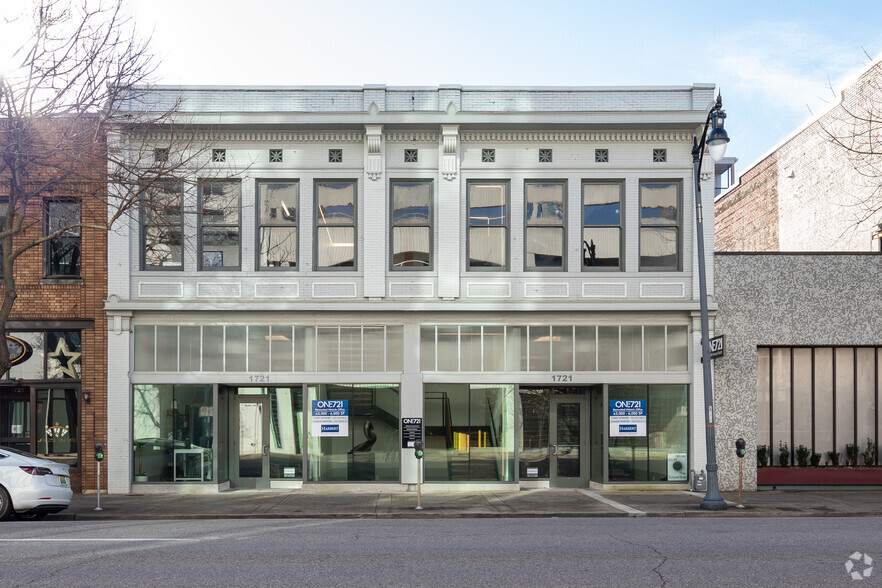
(354,433)
(658,451)
(469,433)
(173,433)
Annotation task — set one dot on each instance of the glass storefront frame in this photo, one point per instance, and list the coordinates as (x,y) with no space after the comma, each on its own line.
(596,446)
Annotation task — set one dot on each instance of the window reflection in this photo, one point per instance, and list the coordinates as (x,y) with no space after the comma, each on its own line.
(366,448)
(469,433)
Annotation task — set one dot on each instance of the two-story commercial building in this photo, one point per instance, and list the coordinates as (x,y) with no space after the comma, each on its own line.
(509,272)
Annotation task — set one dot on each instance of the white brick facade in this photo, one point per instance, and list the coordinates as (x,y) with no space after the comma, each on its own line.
(449,127)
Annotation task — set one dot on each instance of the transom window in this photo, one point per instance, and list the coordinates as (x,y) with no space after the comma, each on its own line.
(411,224)
(219,245)
(602,225)
(545,218)
(335,225)
(660,225)
(488,225)
(554,348)
(162,227)
(62,252)
(277,203)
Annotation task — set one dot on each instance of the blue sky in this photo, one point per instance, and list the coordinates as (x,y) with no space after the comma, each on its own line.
(774,61)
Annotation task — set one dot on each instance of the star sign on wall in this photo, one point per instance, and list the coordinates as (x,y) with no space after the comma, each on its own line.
(64,360)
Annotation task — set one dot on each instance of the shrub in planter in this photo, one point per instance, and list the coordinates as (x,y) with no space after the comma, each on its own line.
(833,457)
(783,454)
(870,453)
(816,460)
(851,454)
(802,455)
(762,455)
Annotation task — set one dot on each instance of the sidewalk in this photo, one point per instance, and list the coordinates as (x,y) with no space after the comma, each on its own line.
(523,504)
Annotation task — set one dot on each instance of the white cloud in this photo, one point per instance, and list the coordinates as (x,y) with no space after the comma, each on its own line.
(787,66)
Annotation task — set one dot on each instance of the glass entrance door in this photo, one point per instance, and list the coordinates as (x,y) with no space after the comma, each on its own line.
(568,436)
(250,443)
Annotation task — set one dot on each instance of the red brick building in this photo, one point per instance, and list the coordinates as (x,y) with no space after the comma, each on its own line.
(810,193)
(53,399)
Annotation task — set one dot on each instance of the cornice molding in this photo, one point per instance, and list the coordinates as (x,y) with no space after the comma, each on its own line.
(411,136)
(575,136)
(267,137)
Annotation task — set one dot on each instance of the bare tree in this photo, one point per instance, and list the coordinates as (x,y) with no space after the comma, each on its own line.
(73,156)
(855,126)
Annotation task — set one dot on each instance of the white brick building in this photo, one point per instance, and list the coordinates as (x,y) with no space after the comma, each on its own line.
(503,263)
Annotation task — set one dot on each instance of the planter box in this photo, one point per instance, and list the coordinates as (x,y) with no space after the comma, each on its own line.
(823,476)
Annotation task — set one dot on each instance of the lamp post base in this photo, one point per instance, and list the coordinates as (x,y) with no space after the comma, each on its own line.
(714,504)
(713,500)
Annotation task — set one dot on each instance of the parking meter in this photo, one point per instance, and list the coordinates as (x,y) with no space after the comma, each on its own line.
(418,449)
(99,451)
(740,447)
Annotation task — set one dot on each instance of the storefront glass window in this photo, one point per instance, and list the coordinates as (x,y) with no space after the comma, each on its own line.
(534,420)
(173,428)
(362,445)
(29,367)
(661,454)
(57,423)
(469,433)
(63,355)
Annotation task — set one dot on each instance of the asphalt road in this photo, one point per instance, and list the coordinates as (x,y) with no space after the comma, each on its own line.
(451,552)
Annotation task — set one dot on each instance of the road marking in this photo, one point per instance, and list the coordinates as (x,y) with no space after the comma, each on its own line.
(623,507)
(71,539)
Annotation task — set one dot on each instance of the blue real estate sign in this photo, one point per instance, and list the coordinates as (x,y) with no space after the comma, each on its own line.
(627,418)
(330,418)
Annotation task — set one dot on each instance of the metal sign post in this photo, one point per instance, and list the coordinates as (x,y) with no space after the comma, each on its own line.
(99,457)
(740,452)
(418,454)
(99,488)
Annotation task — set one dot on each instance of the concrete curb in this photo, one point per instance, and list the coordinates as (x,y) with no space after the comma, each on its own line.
(426,514)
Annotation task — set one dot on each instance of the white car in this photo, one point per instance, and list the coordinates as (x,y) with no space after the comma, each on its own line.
(32,487)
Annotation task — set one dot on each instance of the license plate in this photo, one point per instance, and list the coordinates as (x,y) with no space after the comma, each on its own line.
(63,480)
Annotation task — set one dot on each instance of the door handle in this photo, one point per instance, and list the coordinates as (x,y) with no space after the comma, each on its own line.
(554,450)
(266,449)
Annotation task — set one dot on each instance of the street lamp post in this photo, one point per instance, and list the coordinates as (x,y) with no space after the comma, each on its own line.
(716,146)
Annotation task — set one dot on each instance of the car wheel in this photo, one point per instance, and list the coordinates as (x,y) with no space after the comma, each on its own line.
(31,516)
(5,504)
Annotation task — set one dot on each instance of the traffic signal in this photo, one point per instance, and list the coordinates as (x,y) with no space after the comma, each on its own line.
(740,447)
(99,451)
(418,449)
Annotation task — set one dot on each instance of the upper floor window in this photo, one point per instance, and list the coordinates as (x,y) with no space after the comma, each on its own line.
(411,224)
(277,204)
(488,225)
(219,230)
(545,217)
(62,252)
(660,225)
(602,225)
(162,227)
(335,226)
